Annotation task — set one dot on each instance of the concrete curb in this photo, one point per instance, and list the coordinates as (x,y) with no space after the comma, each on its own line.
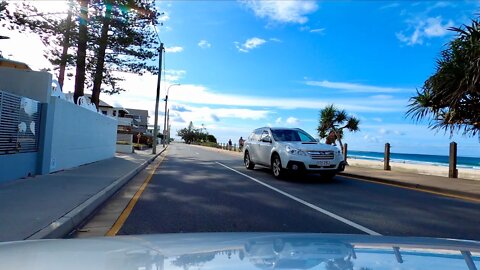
(67,223)
(415,186)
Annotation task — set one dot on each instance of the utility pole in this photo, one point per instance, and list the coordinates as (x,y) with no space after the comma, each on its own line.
(159,77)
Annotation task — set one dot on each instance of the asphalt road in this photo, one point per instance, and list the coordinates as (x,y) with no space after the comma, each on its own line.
(202,190)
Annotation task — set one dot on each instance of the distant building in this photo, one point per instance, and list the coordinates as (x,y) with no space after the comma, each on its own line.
(141,119)
(126,122)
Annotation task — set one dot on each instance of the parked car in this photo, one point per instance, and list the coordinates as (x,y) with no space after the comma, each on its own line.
(291,149)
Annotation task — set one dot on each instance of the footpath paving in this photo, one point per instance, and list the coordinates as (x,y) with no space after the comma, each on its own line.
(448,186)
(51,206)
(464,188)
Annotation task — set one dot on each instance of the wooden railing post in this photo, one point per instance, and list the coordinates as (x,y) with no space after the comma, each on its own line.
(386,158)
(452,163)
(345,152)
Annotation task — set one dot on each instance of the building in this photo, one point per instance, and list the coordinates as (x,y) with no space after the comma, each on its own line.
(141,119)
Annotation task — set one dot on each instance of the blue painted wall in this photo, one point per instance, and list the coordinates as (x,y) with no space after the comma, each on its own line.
(15,166)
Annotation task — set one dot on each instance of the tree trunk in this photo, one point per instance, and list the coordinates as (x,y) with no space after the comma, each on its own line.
(103,42)
(338,138)
(65,45)
(81,51)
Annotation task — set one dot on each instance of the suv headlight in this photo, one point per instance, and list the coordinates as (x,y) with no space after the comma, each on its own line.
(294,151)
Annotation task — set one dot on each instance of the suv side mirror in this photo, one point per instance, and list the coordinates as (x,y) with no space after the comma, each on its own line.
(267,139)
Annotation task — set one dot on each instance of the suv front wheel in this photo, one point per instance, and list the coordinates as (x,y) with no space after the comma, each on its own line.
(248,163)
(276,165)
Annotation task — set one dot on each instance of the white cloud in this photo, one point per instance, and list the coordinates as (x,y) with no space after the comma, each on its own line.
(141,94)
(357,88)
(292,121)
(164,17)
(434,27)
(286,11)
(385,131)
(206,114)
(275,40)
(424,29)
(381,97)
(174,75)
(370,138)
(318,30)
(197,94)
(174,49)
(179,108)
(204,44)
(200,95)
(377,119)
(250,44)
(392,5)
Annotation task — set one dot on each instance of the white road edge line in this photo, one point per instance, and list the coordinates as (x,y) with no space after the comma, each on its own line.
(321,210)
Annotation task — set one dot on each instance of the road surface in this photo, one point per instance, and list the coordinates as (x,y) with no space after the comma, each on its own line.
(197,189)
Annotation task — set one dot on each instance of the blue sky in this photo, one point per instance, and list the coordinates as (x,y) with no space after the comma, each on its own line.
(247,64)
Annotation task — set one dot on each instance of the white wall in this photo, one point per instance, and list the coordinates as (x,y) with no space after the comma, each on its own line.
(80,136)
(32,84)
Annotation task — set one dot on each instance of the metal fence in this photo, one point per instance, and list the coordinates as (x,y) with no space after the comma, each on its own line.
(19,124)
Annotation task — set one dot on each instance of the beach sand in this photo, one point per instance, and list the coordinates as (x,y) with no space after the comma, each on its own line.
(416,168)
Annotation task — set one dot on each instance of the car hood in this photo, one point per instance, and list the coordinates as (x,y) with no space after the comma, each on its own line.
(241,251)
(312,146)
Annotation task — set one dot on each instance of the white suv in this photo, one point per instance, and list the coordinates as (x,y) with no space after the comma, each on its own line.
(291,149)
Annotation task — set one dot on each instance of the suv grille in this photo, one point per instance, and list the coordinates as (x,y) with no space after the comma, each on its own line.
(321,154)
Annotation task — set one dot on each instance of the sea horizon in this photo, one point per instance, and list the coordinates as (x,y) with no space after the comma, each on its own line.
(436,160)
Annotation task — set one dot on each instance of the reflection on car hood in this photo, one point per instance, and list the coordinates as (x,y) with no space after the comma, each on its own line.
(241,251)
(312,146)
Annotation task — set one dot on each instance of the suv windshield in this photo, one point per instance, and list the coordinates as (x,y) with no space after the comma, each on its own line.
(291,135)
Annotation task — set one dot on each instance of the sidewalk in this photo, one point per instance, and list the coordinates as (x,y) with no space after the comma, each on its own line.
(449,186)
(464,188)
(50,206)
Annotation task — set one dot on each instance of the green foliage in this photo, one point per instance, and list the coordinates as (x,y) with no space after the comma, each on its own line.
(209,144)
(211,138)
(191,134)
(131,46)
(450,98)
(334,121)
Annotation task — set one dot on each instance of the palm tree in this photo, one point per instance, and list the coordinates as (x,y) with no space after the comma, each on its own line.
(335,120)
(450,98)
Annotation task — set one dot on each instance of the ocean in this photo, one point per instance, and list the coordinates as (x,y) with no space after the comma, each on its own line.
(462,162)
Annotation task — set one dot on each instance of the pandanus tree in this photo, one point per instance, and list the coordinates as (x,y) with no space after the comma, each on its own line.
(334,121)
(450,98)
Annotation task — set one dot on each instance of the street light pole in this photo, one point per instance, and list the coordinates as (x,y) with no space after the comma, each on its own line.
(159,77)
(168,126)
(165,115)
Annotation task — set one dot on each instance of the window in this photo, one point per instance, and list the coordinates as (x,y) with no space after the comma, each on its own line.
(258,132)
(289,135)
(264,135)
(304,137)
